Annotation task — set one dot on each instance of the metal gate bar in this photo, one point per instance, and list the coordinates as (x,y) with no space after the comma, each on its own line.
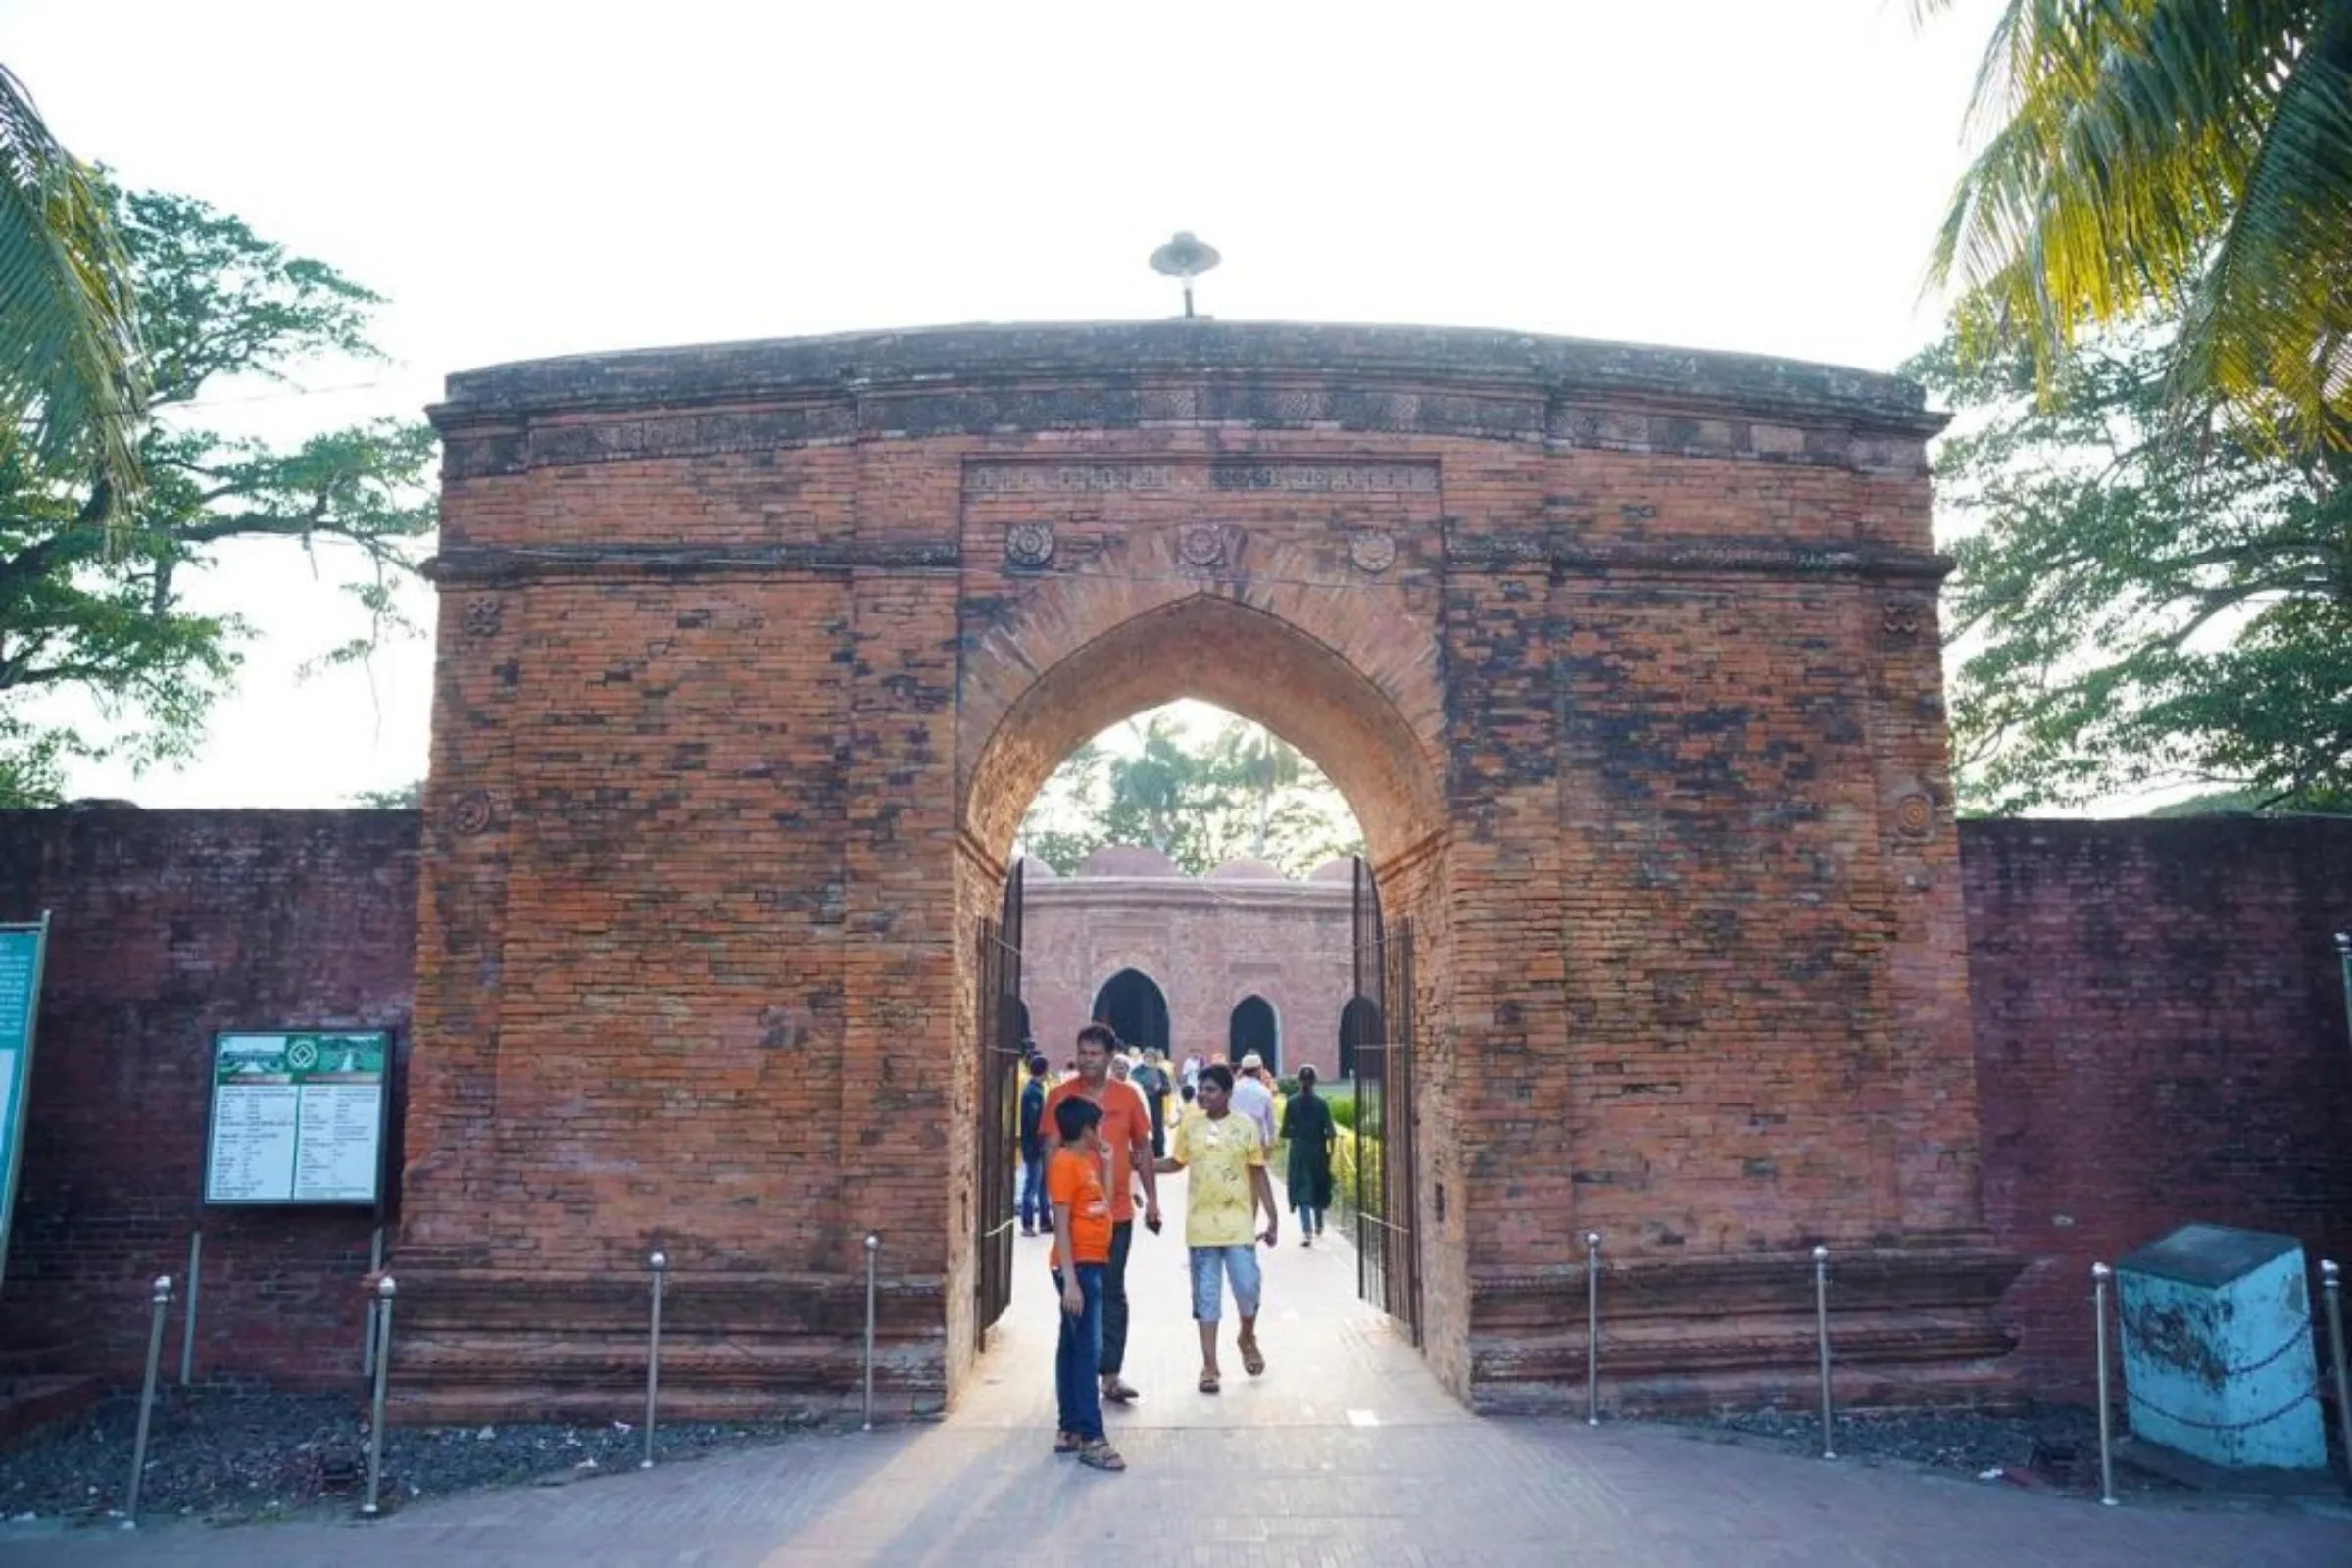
(997,1108)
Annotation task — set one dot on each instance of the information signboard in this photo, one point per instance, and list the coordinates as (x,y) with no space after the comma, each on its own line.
(20,950)
(298,1117)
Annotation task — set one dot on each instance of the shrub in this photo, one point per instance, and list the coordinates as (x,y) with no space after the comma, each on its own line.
(1342,1101)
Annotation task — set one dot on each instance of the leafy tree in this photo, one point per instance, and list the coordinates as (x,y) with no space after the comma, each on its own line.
(101,611)
(72,386)
(1241,792)
(2175,158)
(2141,598)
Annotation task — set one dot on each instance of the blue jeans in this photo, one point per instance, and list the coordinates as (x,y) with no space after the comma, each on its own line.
(1034,1207)
(1077,1362)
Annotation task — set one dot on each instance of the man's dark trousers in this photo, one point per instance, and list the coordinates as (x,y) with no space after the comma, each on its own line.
(1114,1298)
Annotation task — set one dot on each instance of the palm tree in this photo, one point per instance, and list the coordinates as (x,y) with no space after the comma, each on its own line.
(71,383)
(2181,159)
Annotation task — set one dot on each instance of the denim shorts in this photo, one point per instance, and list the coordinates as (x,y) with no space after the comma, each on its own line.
(1237,1263)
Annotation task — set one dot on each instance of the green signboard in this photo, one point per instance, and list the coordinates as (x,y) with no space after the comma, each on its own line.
(298,1117)
(20,950)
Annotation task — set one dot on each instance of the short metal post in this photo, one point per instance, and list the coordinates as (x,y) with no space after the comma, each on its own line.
(375,1265)
(187,1332)
(155,1356)
(2100,1274)
(873,1249)
(2331,1288)
(384,1367)
(1821,1324)
(660,1264)
(1592,1328)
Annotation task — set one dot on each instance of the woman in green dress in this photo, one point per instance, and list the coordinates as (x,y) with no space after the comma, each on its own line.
(1307,1127)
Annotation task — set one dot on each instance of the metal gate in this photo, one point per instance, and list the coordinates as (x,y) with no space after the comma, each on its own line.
(997,1104)
(1383,1191)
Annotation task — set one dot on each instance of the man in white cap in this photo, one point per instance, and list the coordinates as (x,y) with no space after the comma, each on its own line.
(1254,1096)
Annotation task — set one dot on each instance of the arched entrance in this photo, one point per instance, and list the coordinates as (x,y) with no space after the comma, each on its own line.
(1136,1008)
(1253,1027)
(751,656)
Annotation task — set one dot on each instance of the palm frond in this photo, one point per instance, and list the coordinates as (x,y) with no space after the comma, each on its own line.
(70,380)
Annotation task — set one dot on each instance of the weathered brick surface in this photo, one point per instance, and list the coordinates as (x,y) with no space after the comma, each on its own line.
(2160,1039)
(753,657)
(165,928)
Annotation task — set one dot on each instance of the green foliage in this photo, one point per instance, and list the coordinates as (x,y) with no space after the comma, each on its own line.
(1356,1171)
(2139,599)
(2177,158)
(73,384)
(98,609)
(404,798)
(1341,1098)
(1242,792)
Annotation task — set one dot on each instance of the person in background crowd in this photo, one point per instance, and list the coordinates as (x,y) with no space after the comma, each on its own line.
(1307,1127)
(1191,1073)
(1254,1096)
(1227,1187)
(1033,1147)
(1126,1133)
(1080,1254)
(1151,1077)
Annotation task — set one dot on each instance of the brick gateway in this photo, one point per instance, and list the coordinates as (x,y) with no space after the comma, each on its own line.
(751,658)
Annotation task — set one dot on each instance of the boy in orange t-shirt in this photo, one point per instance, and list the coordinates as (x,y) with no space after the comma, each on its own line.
(1080,1255)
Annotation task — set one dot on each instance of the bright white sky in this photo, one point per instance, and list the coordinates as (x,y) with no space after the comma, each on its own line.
(535,180)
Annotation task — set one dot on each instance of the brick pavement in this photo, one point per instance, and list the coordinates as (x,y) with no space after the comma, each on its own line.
(1347,1452)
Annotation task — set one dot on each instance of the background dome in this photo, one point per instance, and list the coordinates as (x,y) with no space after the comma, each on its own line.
(1128,859)
(1245,869)
(1341,870)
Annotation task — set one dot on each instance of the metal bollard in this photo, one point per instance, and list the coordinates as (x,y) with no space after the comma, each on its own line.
(1821,1323)
(383,1369)
(874,1247)
(1592,1328)
(375,1265)
(155,1356)
(2331,1286)
(187,1334)
(660,1264)
(2100,1274)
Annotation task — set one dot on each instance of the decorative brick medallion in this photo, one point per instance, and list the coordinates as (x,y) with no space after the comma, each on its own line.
(1914,815)
(1202,546)
(1372,550)
(1904,619)
(483,617)
(473,812)
(1029,545)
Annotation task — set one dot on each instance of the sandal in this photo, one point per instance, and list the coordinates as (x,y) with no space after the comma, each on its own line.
(1101,1455)
(1067,1442)
(1253,1362)
(1121,1394)
(1209,1383)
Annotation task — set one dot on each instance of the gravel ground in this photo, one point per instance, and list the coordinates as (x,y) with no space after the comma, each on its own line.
(223,1455)
(2056,1447)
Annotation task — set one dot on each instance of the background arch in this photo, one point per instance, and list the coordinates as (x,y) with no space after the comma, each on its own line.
(1359,1024)
(1254,1026)
(1132,1004)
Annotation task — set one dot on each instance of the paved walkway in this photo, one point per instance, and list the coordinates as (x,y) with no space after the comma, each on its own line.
(1345,1453)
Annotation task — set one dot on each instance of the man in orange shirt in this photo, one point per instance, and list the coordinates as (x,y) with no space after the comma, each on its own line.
(1126,1133)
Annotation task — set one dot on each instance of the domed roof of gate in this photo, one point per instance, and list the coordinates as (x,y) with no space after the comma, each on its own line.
(1128,859)
(1339,868)
(1245,869)
(1034,869)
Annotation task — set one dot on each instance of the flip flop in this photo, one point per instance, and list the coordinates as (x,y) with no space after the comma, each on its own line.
(1101,1455)
(1067,1442)
(1121,1394)
(1253,1362)
(1209,1383)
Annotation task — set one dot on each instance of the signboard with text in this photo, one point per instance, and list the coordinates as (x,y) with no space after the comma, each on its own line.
(22,948)
(298,1117)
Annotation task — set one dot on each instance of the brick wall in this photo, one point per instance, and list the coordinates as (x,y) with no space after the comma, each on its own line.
(2160,1039)
(1207,945)
(165,927)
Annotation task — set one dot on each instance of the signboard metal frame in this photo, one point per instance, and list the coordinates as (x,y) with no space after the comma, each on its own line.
(20,1085)
(374,1199)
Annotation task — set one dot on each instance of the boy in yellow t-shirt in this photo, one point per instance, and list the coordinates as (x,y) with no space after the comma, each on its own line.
(1228,1185)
